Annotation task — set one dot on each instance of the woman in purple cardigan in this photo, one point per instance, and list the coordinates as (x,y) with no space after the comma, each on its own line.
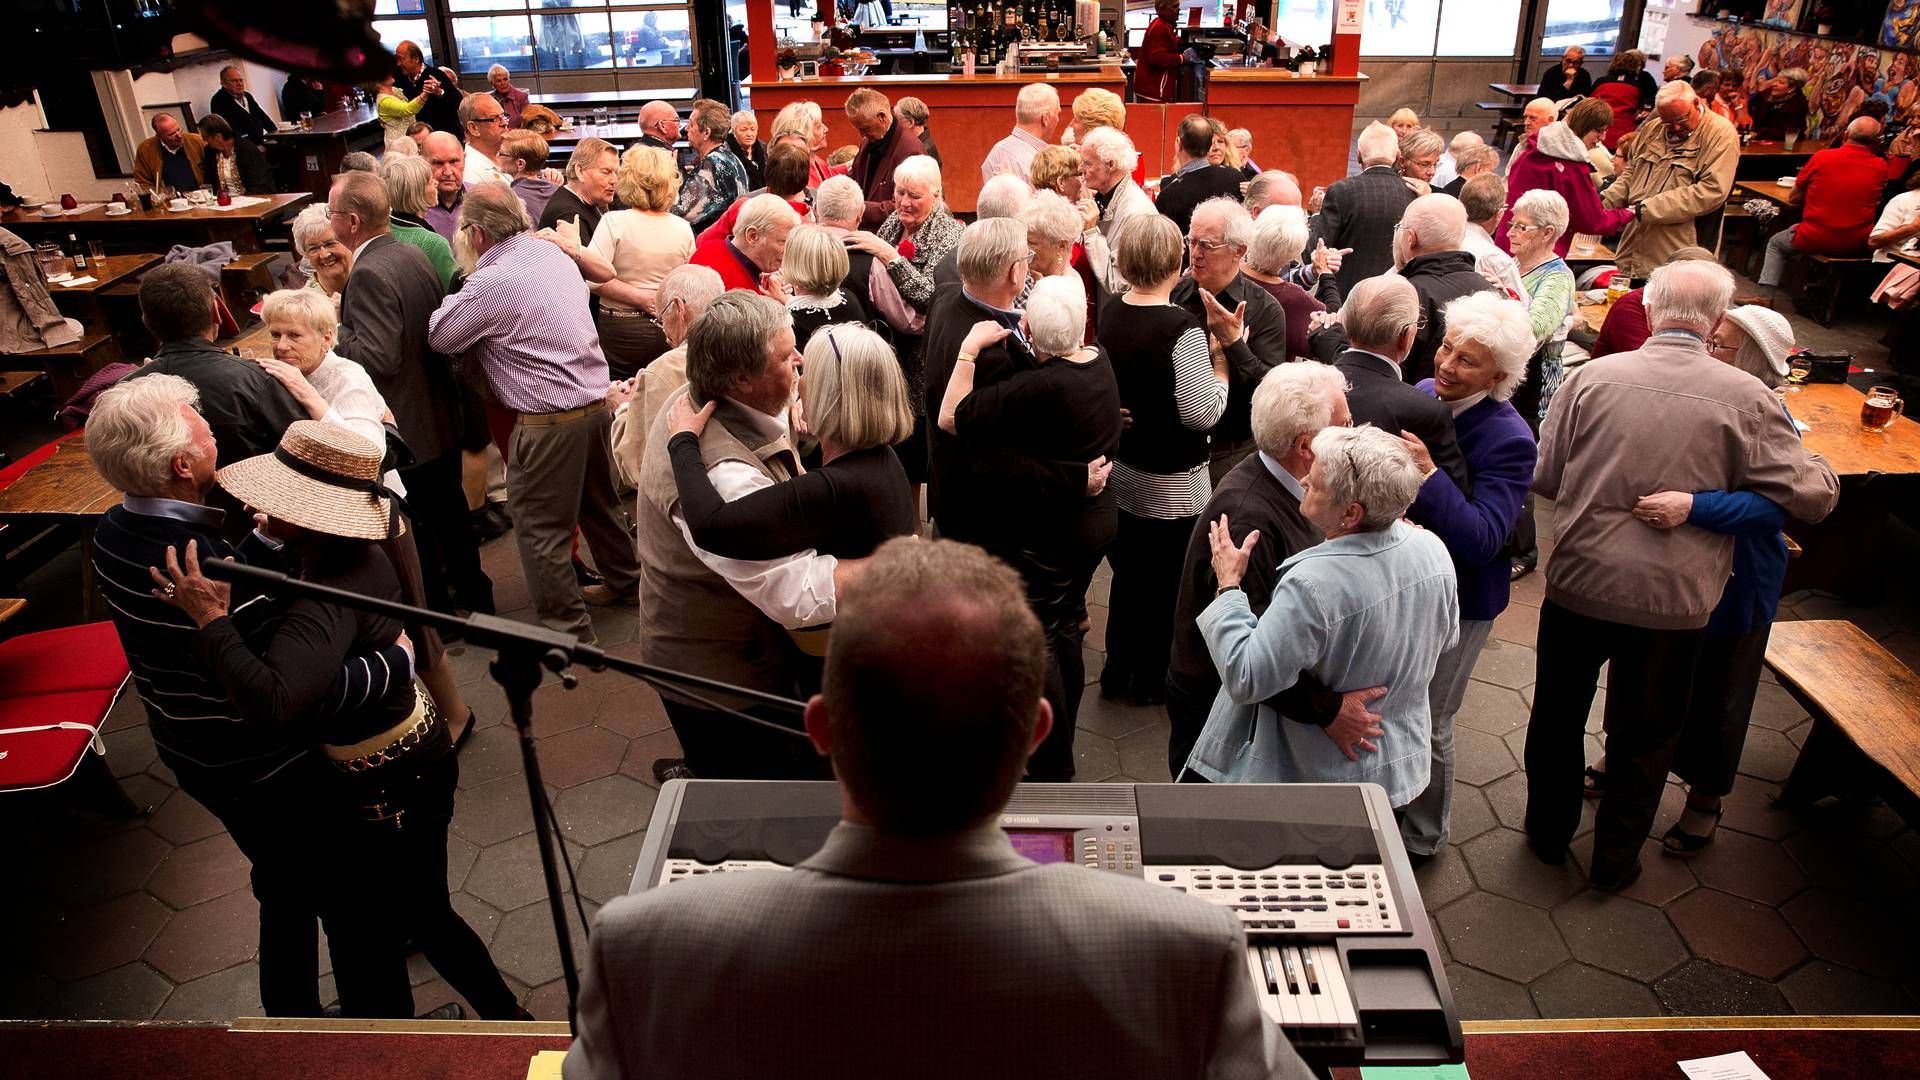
(1481,362)
(1556,158)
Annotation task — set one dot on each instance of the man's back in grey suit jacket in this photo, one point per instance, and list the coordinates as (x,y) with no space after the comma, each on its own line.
(390,294)
(886,957)
(1360,212)
(1376,395)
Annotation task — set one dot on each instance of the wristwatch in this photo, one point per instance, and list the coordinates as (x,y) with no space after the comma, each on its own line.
(1225,589)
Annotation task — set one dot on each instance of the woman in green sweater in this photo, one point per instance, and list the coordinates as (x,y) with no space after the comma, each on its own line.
(409,183)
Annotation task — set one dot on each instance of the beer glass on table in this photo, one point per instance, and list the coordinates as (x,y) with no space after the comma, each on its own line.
(1882,407)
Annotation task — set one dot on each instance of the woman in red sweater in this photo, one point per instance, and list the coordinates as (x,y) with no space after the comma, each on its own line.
(1156,73)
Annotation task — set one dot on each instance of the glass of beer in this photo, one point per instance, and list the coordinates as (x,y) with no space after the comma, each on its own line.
(1882,406)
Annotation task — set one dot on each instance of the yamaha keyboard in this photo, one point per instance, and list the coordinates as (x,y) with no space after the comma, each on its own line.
(1340,950)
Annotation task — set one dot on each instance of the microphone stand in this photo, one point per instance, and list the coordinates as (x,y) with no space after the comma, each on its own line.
(521,652)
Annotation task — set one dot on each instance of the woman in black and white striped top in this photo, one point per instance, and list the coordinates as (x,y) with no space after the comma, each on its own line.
(1174,388)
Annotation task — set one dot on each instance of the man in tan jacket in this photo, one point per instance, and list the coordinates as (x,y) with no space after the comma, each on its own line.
(1667,416)
(172,156)
(1682,169)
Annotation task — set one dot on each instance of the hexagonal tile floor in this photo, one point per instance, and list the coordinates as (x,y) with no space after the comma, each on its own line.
(150,917)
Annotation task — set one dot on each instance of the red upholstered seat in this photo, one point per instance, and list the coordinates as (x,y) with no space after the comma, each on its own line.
(56,688)
(84,657)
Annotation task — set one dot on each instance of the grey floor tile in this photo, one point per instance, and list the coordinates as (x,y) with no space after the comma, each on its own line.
(1619,935)
(1579,990)
(1502,937)
(1704,988)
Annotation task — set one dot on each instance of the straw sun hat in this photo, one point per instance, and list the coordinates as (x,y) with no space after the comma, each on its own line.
(323,478)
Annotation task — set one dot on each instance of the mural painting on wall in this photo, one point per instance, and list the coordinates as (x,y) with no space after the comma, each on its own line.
(1842,77)
(1902,28)
(1782,13)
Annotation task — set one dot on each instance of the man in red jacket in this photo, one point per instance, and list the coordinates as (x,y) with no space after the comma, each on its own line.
(884,144)
(1156,73)
(1837,194)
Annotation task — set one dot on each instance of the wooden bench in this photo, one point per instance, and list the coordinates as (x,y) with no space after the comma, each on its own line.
(1830,278)
(1508,126)
(250,274)
(1865,705)
(69,365)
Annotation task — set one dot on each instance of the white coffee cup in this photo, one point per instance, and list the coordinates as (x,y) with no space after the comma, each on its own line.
(178,204)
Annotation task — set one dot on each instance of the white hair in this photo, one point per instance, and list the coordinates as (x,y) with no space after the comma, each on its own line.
(401,147)
(1236,225)
(1500,325)
(1437,221)
(761,213)
(498,69)
(136,428)
(1379,310)
(1111,147)
(1052,216)
(1294,400)
(743,114)
(1678,90)
(1240,137)
(1057,315)
(1005,195)
(1378,145)
(1279,236)
(1034,102)
(308,222)
(1540,103)
(1546,207)
(988,248)
(839,201)
(1463,140)
(1367,466)
(921,169)
(310,306)
(1691,294)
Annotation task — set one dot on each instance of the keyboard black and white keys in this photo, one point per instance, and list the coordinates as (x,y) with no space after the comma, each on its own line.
(1340,950)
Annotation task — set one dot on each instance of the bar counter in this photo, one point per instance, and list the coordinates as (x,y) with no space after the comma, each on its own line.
(1301,123)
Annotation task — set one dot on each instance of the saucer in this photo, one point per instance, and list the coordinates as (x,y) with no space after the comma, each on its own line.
(120,211)
(180,209)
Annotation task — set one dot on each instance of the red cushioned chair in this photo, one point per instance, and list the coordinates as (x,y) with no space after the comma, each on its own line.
(56,688)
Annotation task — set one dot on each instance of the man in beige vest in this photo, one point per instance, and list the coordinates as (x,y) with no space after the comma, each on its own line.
(726,618)
(682,297)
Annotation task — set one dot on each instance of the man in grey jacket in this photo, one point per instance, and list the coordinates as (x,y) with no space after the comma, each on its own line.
(1666,416)
(917,942)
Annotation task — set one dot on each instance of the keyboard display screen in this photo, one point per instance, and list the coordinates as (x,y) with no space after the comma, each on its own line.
(1042,845)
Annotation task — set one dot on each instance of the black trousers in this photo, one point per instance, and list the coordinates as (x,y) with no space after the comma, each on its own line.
(630,342)
(1147,557)
(1188,702)
(1648,690)
(443,533)
(280,825)
(719,746)
(1715,732)
(404,859)
(1056,586)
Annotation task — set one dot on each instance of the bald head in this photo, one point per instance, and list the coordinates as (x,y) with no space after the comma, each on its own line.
(660,120)
(1272,188)
(1689,295)
(1864,130)
(1431,223)
(1538,114)
(1380,315)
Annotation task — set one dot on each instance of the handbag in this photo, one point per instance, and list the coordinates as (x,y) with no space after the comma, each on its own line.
(1900,289)
(1826,367)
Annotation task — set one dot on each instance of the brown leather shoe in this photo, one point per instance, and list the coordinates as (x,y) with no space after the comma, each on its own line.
(605,596)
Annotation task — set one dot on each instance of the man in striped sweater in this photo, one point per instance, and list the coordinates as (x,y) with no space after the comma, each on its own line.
(147,438)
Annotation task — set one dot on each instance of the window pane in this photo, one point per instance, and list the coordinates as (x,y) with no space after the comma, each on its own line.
(1304,22)
(652,38)
(572,40)
(493,39)
(486,5)
(394,31)
(1478,27)
(399,7)
(1591,24)
(1402,28)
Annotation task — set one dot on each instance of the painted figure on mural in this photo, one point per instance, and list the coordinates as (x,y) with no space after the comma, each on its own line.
(1782,12)
(1902,28)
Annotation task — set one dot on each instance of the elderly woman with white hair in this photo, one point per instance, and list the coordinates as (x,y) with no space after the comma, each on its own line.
(409,183)
(806,125)
(1279,237)
(1373,605)
(743,138)
(338,391)
(1109,161)
(1756,340)
(1419,159)
(1538,219)
(1481,362)
(1065,409)
(327,260)
(1053,231)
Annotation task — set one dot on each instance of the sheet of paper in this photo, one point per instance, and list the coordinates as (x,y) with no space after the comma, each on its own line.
(546,1065)
(240,202)
(69,283)
(1414,1072)
(1734,1066)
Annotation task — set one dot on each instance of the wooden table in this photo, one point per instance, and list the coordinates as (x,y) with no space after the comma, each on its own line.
(1771,160)
(65,489)
(254,344)
(319,149)
(1593,315)
(84,302)
(11,606)
(1524,91)
(1582,257)
(1765,189)
(162,227)
(1877,470)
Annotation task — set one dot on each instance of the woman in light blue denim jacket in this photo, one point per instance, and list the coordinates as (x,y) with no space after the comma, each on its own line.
(1375,605)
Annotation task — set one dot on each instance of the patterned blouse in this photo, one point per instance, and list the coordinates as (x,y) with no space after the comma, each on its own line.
(1550,307)
(912,275)
(716,183)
